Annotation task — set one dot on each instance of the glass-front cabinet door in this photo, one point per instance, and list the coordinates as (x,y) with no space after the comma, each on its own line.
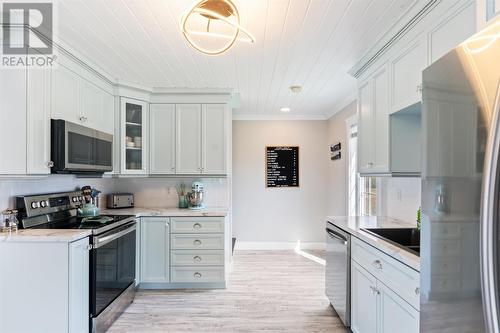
(134,129)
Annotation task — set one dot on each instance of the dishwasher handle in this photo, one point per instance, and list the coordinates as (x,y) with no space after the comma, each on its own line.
(336,235)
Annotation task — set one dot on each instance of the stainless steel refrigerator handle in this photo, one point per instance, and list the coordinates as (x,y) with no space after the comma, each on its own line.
(489,217)
(107,239)
(333,234)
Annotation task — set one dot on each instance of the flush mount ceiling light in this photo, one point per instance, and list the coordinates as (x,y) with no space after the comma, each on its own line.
(285,109)
(213,26)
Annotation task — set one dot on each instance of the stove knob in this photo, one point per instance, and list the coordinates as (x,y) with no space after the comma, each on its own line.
(74,199)
(34,205)
(43,204)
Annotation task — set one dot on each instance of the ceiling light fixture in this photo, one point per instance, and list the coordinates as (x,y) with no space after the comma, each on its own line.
(296,88)
(218,20)
(285,109)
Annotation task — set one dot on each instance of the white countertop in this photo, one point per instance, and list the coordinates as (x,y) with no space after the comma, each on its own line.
(71,235)
(45,235)
(168,212)
(353,225)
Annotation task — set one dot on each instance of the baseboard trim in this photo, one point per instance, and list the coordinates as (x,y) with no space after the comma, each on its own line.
(263,246)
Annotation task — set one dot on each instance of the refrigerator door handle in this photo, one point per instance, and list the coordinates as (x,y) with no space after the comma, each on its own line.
(489,221)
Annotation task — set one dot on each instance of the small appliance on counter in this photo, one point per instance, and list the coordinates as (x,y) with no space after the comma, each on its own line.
(120,200)
(195,197)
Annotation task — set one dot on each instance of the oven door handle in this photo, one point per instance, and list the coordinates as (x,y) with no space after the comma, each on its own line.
(101,241)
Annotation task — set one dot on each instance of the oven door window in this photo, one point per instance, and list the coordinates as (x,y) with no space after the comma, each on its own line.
(113,271)
(80,149)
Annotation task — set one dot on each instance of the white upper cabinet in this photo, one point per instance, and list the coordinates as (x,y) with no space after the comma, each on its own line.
(38,121)
(373,103)
(449,33)
(162,138)
(189,131)
(13,122)
(381,120)
(365,127)
(79,101)
(406,69)
(134,136)
(97,108)
(214,139)
(65,95)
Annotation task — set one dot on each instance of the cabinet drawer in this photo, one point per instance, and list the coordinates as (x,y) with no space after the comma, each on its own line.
(402,279)
(197,274)
(193,242)
(197,225)
(197,258)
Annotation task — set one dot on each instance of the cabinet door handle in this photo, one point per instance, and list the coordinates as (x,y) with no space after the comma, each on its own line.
(196,258)
(196,226)
(197,242)
(197,275)
(417,291)
(377,264)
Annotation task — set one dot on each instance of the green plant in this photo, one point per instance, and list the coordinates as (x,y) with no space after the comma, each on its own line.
(419,217)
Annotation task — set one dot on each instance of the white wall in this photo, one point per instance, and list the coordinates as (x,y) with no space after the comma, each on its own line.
(337,182)
(279,215)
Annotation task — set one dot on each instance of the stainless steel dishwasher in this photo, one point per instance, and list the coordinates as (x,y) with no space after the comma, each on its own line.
(338,271)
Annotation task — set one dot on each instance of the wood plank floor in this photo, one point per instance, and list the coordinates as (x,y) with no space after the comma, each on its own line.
(268,291)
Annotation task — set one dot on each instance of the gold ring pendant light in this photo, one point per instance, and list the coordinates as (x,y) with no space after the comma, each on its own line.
(223,11)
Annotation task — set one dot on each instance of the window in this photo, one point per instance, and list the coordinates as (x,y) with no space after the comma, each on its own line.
(362,191)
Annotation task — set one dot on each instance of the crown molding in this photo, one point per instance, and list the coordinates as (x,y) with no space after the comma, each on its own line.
(271,117)
(342,104)
(416,12)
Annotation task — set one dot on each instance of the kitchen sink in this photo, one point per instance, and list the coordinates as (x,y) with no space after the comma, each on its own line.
(406,238)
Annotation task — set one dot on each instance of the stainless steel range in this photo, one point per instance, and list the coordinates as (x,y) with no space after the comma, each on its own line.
(112,254)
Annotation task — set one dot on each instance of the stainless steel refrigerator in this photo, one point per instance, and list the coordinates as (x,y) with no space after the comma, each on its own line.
(460,252)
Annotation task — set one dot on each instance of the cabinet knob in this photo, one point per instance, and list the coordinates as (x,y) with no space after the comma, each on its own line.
(417,291)
(197,275)
(50,164)
(374,290)
(377,264)
(196,258)
(196,226)
(197,242)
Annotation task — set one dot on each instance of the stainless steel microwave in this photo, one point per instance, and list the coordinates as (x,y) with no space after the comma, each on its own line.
(79,149)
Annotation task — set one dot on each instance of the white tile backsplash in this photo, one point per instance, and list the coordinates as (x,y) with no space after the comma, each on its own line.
(148,192)
(400,197)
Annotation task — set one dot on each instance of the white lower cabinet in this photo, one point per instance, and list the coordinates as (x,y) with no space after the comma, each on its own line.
(198,250)
(384,292)
(396,315)
(155,250)
(363,300)
(44,287)
(79,286)
(181,252)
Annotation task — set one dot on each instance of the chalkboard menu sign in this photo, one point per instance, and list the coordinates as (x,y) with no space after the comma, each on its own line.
(282,166)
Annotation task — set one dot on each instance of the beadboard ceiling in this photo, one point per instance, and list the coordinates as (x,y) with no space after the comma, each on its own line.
(312,43)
